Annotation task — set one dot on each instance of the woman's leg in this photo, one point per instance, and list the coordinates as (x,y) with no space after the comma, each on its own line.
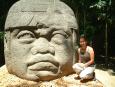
(78,67)
(87,73)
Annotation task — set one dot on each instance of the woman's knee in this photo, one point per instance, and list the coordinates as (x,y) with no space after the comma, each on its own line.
(76,69)
(85,75)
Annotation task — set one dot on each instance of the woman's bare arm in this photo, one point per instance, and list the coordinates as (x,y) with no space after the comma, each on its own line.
(91,58)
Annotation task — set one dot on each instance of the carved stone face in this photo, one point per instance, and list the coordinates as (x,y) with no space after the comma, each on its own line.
(41,50)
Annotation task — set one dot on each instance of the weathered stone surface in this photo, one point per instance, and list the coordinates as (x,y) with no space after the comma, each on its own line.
(40,39)
(9,80)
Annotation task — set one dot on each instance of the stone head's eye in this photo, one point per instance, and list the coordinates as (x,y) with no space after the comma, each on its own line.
(25,35)
(58,38)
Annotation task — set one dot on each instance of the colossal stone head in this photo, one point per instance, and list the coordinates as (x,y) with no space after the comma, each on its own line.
(39,39)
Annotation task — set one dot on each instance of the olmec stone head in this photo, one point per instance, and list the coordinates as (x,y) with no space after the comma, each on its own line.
(39,39)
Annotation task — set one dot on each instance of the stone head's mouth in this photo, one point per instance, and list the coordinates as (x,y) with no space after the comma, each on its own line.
(44,66)
(42,62)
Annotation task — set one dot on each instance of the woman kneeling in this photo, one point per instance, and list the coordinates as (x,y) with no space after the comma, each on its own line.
(85,66)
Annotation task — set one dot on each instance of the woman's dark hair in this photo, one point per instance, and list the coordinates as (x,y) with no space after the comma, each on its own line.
(83,36)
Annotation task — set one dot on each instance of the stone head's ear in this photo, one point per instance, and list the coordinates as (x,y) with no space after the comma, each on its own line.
(5,42)
(75,36)
(7,45)
(7,51)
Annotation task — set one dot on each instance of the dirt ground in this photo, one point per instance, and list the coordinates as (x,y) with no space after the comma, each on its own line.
(103,79)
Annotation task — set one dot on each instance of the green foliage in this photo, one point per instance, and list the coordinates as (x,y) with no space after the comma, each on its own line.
(100,4)
(90,14)
(89,32)
(1,35)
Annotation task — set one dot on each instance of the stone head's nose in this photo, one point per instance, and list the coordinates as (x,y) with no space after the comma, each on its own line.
(42,46)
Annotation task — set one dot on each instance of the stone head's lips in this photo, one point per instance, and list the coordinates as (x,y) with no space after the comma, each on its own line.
(43,66)
(42,62)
